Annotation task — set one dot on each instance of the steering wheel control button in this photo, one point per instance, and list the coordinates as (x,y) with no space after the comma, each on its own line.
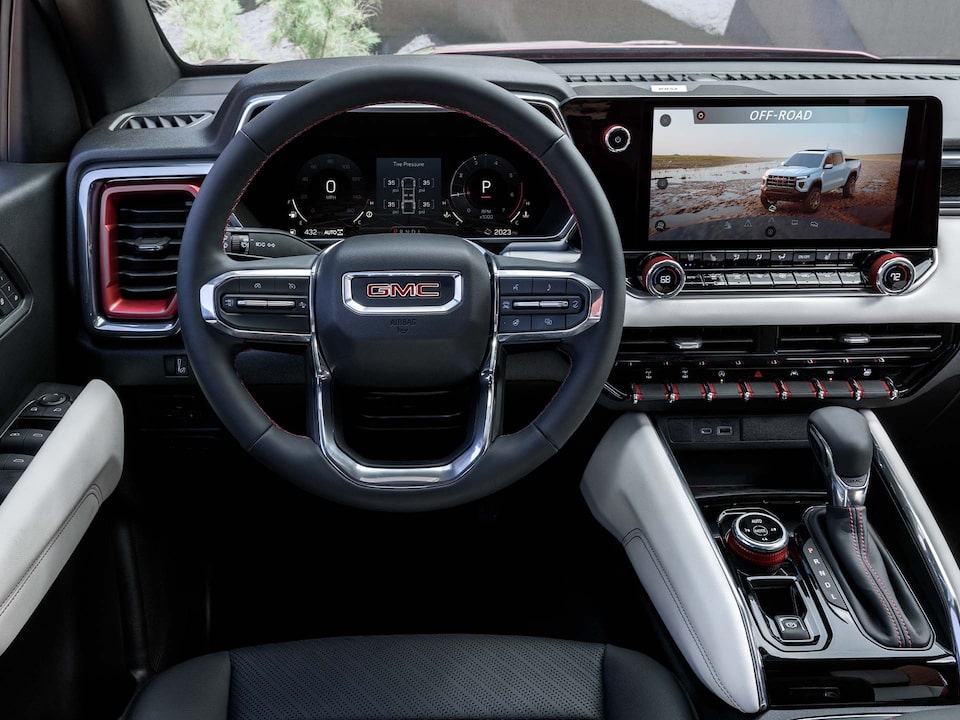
(548,323)
(53,399)
(549,286)
(516,286)
(792,628)
(759,539)
(256,285)
(616,138)
(892,274)
(291,286)
(515,323)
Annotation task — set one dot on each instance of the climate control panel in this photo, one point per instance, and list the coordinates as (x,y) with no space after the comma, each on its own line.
(886,272)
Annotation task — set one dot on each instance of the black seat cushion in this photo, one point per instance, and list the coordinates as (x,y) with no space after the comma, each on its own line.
(416,677)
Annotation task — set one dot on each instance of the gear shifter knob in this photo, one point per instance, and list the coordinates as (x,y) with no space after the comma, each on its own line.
(843,447)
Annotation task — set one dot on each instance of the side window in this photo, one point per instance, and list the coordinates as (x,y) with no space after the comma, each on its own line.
(836,159)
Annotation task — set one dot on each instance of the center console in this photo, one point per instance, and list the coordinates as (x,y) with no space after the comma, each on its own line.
(803,574)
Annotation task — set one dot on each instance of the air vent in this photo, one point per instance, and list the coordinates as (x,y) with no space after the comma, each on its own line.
(852,340)
(641,342)
(415,426)
(680,77)
(153,122)
(140,234)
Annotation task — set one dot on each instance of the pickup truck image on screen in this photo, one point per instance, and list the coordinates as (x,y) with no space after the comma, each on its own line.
(775,173)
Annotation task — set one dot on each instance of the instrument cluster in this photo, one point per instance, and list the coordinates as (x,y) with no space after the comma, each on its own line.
(406,173)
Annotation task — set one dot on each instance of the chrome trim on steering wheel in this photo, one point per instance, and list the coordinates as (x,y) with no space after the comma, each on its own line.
(356,306)
(412,476)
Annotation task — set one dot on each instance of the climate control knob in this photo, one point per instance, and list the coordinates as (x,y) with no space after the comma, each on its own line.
(891,273)
(759,539)
(661,276)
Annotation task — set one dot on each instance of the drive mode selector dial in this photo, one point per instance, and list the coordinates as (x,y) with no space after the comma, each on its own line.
(758,538)
(891,273)
(661,275)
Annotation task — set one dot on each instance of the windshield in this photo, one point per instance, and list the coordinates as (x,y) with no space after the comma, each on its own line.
(810,160)
(256,31)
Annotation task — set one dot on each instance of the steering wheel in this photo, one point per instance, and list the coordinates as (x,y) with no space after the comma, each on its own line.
(421,311)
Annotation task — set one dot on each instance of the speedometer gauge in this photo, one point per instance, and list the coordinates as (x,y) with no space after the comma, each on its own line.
(486,189)
(330,189)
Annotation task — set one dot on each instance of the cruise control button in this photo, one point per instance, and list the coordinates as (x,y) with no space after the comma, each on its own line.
(516,286)
(301,307)
(256,285)
(514,323)
(291,285)
(554,304)
(549,286)
(542,323)
(228,303)
(576,305)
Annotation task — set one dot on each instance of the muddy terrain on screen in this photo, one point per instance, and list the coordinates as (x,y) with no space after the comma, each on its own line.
(704,188)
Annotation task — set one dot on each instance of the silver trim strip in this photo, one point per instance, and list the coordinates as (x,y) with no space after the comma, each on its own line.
(87,249)
(926,532)
(594,308)
(208,305)
(361,309)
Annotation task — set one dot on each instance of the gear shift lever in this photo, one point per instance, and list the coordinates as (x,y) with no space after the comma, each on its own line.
(877,592)
(843,447)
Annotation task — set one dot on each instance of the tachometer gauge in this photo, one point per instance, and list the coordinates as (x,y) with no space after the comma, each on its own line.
(330,189)
(486,189)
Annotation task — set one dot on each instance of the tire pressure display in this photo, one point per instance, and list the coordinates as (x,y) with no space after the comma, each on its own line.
(408,190)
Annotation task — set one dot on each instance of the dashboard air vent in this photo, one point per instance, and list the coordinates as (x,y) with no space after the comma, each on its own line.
(141,227)
(151,122)
(846,340)
(680,77)
(641,342)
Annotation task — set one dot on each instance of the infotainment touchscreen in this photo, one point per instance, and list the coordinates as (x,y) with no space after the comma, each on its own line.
(775,173)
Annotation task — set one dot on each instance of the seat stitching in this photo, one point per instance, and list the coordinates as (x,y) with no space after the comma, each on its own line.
(683,613)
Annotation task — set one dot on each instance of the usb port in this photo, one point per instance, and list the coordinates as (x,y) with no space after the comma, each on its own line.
(724,430)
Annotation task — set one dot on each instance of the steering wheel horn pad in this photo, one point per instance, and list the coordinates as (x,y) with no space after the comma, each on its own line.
(419,311)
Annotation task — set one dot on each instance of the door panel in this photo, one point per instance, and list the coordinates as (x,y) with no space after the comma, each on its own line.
(31,250)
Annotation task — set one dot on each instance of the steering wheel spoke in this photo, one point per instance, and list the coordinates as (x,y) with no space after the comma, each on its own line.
(543,301)
(262,301)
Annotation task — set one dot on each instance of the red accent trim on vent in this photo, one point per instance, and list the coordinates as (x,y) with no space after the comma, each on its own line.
(113,305)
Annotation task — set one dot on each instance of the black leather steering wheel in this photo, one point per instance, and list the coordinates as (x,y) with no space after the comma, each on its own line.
(449,293)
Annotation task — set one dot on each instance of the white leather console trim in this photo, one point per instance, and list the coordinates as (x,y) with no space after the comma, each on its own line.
(635,490)
(53,503)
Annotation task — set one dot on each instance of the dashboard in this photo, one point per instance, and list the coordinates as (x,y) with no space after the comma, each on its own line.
(401,171)
(707,166)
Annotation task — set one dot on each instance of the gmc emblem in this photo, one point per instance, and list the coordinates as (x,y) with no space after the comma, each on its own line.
(403,290)
(410,292)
